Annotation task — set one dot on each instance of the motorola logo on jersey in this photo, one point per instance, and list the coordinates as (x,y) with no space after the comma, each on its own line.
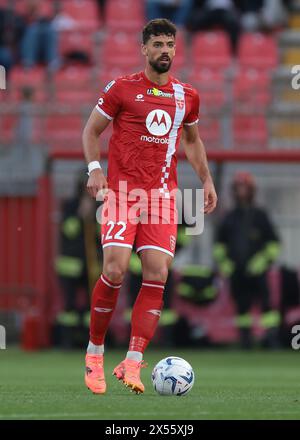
(158,122)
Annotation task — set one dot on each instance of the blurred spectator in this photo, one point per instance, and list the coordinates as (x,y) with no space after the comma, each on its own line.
(77,264)
(263,14)
(102,9)
(246,246)
(175,10)
(40,41)
(250,14)
(209,14)
(11,32)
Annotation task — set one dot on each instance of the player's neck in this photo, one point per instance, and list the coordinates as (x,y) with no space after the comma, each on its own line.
(161,79)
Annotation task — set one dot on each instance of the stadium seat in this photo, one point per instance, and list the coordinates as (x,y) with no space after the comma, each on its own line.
(210,132)
(249,132)
(63,131)
(71,42)
(121,49)
(33,79)
(46,7)
(73,76)
(104,76)
(125,15)
(74,84)
(10,129)
(180,57)
(251,87)
(84,12)
(258,51)
(211,86)
(211,49)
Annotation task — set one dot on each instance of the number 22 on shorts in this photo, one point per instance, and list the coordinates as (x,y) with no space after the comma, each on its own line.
(117,235)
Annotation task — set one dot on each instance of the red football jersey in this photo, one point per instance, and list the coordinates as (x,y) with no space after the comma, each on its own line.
(147,125)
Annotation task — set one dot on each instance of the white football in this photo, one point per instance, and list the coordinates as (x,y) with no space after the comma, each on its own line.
(173,376)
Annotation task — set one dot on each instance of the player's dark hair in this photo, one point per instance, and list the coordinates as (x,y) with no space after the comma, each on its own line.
(158,26)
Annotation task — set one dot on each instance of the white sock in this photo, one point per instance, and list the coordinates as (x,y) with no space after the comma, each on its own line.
(134,355)
(95,349)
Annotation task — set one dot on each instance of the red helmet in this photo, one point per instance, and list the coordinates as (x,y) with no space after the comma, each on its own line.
(244,177)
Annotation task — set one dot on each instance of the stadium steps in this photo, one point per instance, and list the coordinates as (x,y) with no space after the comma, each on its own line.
(285,109)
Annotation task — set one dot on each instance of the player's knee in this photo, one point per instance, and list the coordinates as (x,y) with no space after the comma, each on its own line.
(114,272)
(156,274)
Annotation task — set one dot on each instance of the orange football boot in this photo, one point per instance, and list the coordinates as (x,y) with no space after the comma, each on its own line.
(94,373)
(129,372)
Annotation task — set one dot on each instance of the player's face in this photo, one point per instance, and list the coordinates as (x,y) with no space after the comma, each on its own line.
(160,51)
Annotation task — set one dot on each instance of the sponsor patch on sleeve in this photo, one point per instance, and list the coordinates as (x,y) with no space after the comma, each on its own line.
(109,85)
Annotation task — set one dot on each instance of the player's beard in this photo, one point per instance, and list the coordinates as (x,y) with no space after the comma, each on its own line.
(160,67)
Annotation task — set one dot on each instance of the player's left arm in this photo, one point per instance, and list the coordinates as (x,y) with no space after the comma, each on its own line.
(196,155)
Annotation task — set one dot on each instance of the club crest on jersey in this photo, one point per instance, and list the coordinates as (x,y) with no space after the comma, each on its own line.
(139,98)
(158,122)
(172,242)
(109,85)
(180,103)
(156,92)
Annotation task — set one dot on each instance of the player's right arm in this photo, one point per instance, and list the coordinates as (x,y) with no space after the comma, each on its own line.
(95,125)
(108,107)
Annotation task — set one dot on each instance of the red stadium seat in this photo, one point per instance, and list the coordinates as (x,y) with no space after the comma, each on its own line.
(63,131)
(75,41)
(79,97)
(211,49)
(121,49)
(84,12)
(46,7)
(180,59)
(211,86)
(210,132)
(250,132)
(33,78)
(125,15)
(10,129)
(106,75)
(75,84)
(73,76)
(258,51)
(251,87)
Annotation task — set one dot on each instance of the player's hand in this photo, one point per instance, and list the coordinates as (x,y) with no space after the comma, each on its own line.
(97,182)
(210,196)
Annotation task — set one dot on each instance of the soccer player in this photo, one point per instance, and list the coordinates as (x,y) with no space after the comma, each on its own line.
(151,111)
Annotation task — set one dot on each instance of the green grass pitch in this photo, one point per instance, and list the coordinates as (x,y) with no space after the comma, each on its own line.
(229,385)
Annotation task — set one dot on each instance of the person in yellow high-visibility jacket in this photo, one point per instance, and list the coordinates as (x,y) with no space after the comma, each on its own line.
(78,263)
(246,246)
